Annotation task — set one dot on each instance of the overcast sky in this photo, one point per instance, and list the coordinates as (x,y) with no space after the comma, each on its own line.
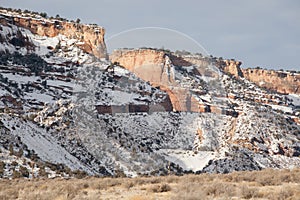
(258,32)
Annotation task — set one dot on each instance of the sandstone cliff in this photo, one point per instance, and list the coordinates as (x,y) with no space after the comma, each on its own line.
(282,82)
(279,81)
(153,66)
(159,68)
(91,36)
(232,67)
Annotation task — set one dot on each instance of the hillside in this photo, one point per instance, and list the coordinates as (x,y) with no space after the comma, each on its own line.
(67,109)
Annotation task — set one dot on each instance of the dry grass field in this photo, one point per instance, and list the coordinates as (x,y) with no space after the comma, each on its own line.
(266,184)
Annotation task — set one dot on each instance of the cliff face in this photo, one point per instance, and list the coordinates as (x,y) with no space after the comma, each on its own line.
(91,36)
(283,82)
(233,67)
(158,67)
(150,65)
(153,66)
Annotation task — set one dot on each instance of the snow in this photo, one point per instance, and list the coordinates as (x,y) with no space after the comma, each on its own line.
(42,42)
(206,97)
(40,97)
(59,83)
(285,109)
(20,79)
(3,92)
(42,143)
(188,160)
(121,71)
(171,136)
(121,98)
(295,98)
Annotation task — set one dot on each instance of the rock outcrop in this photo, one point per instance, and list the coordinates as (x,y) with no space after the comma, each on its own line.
(279,81)
(233,67)
(282,82)
(91,36)
(150,65)
(156,67)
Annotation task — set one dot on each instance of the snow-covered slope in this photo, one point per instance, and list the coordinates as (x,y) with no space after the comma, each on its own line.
(63,110)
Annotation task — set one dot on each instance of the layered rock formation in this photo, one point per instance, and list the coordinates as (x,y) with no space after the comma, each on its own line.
(49,103)
(148,64)
(282,82)
(91,36)
(158,67)
(153,66)
(233,67)
(279,81)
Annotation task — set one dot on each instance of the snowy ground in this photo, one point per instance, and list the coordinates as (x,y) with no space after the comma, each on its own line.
(188,160)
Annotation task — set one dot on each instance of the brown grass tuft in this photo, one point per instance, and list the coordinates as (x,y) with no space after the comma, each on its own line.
(160,188)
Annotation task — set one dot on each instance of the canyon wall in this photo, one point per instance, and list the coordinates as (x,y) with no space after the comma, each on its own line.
(279,81)
(91,36)
(147,64)
(282,82)
(232,67)
(158,67)
(153,66)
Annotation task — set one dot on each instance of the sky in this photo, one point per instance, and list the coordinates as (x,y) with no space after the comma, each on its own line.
(261,33)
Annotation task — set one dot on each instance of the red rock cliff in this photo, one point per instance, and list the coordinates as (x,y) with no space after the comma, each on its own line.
(157,67)
(153,66)
(148,64)
(92,36)
(283,82)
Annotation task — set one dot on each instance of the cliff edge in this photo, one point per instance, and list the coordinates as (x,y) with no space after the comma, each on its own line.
(91,36)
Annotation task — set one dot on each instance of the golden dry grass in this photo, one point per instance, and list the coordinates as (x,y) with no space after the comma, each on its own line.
(265,184)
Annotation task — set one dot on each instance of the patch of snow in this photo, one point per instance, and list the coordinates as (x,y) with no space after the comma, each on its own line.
(59,83)
(261,83)
(121,71)
(42,143)
(295,98)
(40,97)
(20,78)
(285,109)
(188,160)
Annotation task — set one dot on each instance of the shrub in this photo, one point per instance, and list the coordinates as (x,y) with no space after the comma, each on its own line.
(247,192)
(128,184)
(14,163)
(79,174)
(42,172)
(160,188)
(2,166)
(43,14)
(16,174)
(24,172)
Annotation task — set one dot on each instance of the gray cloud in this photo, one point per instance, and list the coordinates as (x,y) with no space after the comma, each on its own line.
(258,32)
